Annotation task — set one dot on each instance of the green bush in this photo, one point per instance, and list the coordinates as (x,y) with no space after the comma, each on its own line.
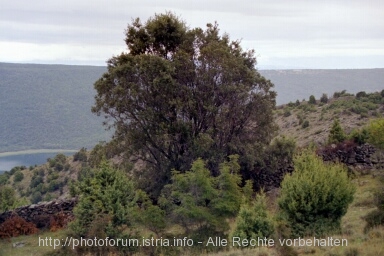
(324,98)
(253,220)
(336,134)
(36,197)
(18,176)
(7,198)
(360,95)
(305,124)
(359,136)
(287,113)
(315,196)
(376,132)
(36,180)
(312,100)
(81,155)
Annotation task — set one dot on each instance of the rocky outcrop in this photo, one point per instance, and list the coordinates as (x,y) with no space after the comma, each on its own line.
(349,154)
(43,214)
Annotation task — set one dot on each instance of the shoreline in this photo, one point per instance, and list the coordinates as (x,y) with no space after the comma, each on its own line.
(36,151)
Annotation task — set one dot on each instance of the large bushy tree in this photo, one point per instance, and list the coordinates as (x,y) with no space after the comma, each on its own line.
(179,94)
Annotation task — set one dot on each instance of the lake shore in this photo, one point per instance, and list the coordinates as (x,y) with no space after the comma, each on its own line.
(36,151)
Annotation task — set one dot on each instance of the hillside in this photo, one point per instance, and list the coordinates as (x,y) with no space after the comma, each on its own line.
(306,123)
(48,106)
(53,179)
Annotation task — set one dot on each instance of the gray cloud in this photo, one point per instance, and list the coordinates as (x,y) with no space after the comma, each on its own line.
(276,29)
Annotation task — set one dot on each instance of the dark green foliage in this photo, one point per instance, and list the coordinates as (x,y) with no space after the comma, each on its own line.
(81,155)
(279,154)
(312,100)
(297,103)
(196,199)
(35,181)
(287,113)
(7,198)
(324,98)
(253,220)
(336,134)
(360,95)
(359,136)
(18,176)
(339,94)
(181,94)
(382,93)
(305,124)
(315,196)
(36,197)
(4,178)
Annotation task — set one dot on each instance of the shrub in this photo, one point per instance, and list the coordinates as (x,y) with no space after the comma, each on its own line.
(16,226)
(81,155)
(287,113)
(336,134)
(312,100)
(36,197)
(359,136)
(315,196)
(18,176)
(324,98)
(253,221)
(376,132)
(305,124)
(297,103)
(360,95)
(36,180)
(7,198)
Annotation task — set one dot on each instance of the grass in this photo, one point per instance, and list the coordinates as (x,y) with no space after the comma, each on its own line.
(359,243)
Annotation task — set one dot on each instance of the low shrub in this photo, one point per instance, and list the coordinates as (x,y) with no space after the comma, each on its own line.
(16,226)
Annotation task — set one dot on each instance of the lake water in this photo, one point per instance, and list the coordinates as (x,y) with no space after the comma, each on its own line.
(8,161)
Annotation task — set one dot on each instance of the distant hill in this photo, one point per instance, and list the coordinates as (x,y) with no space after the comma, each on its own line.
(49,106)
(301,83)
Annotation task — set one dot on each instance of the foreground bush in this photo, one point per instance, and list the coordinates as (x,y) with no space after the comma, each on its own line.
(253,221)
(315,196)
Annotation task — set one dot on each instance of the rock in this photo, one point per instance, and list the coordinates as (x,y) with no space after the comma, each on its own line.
(19,244)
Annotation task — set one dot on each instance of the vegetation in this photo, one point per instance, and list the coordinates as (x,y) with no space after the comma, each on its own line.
(316,196)
(254,220)
(376,132)
(179,96)
(336,134)
(187,132)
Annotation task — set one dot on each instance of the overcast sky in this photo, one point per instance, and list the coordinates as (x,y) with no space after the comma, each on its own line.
(284,34)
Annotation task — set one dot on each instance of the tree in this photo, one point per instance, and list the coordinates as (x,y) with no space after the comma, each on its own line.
(315,196)
(312,100)
(336,134)
(324,98)
(180,94)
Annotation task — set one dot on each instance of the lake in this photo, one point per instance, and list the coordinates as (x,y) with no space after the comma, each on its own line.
(28,158)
